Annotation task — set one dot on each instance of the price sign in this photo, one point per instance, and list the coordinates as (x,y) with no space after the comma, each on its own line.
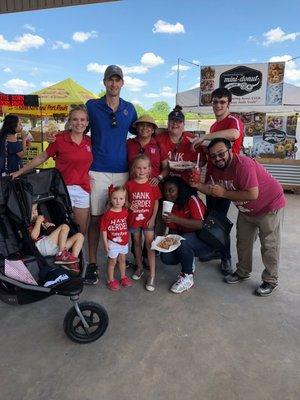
(19,100)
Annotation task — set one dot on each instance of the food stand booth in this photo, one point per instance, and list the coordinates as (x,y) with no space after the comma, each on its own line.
(53,105)
(269,108)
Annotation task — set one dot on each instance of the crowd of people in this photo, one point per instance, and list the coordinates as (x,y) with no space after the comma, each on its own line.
(116,186)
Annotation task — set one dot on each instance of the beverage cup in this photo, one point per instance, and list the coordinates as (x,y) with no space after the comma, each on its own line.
(167,207)
(195,175)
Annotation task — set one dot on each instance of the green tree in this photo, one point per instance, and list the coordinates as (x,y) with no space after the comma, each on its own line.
(102,93)
(140,110)
(160,107)
(159,111)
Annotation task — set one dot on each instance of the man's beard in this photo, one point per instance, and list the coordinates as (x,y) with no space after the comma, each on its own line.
(226,164)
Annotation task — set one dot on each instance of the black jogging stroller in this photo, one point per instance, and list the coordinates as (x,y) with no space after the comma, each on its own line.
(85,322)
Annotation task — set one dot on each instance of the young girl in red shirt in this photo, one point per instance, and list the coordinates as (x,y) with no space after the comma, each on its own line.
(143,205)
(114,232)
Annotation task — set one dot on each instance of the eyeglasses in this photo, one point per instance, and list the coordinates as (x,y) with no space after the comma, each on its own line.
(222,102)
(218,155)
(113,120)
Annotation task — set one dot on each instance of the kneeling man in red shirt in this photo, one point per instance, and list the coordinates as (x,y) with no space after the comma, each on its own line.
(260,200)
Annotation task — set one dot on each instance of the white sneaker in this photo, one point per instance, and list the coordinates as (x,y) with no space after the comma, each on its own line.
(184,282)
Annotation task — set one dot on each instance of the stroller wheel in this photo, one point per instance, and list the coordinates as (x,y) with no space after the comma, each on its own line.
(96,318)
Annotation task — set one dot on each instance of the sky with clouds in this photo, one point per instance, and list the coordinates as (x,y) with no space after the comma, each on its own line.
(145,38)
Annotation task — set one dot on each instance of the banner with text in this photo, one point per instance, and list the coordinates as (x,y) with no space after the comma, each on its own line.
(249,84)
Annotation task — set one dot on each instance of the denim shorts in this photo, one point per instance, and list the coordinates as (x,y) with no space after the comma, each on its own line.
(140,229)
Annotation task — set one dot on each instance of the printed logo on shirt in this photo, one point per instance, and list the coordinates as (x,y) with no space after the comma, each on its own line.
(228,185)
(175,156)
(152,150)
(125,112)
(242,208)
(119,224)
(140,217)
(88,148)
(141,200)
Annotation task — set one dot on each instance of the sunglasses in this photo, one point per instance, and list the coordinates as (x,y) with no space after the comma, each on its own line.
(222,102)
(218,155)
(113,120)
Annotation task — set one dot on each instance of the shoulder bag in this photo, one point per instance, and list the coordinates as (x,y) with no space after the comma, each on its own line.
(215,230)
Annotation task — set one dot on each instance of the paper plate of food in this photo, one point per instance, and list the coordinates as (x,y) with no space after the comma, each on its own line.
(182,165)
(166,244)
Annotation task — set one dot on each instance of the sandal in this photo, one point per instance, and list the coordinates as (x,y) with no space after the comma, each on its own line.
(138,273)
(150,284)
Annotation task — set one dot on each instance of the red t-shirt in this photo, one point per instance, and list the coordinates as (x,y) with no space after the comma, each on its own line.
(229,122)
(115,224)
(134,148)
(143,197)
(245,173)
(193,209)
(71,159)
(181,151)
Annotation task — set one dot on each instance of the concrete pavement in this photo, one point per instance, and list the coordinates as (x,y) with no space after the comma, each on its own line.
(215,342)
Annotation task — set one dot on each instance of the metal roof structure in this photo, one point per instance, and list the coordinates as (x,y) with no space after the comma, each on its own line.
(11,6)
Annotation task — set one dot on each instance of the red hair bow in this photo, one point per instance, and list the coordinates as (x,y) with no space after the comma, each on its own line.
(111,189)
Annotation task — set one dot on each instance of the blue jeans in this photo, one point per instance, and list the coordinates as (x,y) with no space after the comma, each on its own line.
(190,247)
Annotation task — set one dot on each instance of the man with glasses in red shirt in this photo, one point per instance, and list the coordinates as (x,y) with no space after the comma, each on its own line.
(260,200)
(228,127)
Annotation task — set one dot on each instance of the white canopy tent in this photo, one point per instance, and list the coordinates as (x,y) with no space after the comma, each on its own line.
(189,100)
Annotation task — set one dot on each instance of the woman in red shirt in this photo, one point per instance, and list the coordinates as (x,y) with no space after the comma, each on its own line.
(176,144)
(73,157)
(144,143)
(185,219)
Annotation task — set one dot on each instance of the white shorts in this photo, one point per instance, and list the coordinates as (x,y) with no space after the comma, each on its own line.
(100,181)
(115,249)
(79,197)
(46,247)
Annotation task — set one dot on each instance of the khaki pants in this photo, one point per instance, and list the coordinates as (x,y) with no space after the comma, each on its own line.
(268,228)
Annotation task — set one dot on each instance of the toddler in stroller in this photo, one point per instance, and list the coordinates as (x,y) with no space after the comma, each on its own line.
(56,242)
(84,322)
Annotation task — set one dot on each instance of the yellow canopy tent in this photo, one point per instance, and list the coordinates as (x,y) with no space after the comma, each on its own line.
(55,100)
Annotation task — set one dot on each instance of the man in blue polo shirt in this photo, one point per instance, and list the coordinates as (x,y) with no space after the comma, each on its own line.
(110,120)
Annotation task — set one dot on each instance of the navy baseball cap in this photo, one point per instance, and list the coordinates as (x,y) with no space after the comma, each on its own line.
(176,115)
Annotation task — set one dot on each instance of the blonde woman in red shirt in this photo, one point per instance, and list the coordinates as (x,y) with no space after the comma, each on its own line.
(73,158)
